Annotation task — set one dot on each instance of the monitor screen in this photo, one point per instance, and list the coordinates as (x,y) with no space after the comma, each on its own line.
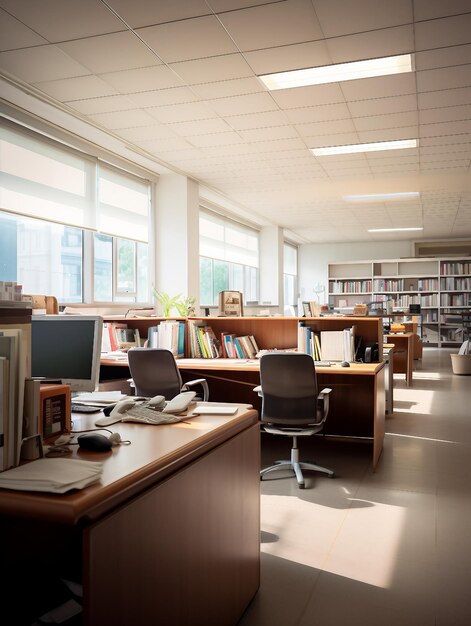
(67,348)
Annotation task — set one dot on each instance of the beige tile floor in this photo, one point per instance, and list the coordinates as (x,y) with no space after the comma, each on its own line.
(391,547)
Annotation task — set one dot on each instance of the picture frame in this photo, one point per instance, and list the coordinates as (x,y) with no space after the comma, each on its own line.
(231,304)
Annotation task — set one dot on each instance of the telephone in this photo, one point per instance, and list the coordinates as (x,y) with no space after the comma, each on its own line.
(157,404)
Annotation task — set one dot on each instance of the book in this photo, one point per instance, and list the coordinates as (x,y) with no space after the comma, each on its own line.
(4,411)
(332,345)
(11,349)
(31,413)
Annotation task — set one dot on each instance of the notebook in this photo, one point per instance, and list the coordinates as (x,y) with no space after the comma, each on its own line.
(215,410)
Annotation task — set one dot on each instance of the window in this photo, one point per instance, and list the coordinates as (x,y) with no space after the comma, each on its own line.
(290,274)
(63,211)
(228,258)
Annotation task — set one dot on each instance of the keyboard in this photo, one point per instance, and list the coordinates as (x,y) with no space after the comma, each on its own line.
(322,363)
(145,415)
(83,408)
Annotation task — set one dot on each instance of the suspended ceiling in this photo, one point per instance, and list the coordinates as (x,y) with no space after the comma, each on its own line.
(177,83)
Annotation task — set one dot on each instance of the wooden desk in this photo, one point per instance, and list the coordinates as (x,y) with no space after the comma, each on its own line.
(403,354)
(171,534)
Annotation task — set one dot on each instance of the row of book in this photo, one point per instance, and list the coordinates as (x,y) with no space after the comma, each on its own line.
(327,345)
(169,334)
(13,356)
(456,269)
(454,284)
(203,343)
(117,336)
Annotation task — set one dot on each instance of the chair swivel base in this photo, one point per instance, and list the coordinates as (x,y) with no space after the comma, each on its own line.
(297,467)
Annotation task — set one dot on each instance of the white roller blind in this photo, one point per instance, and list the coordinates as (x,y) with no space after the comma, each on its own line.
(123,204)
(223,239)
(290,260)
(43,180)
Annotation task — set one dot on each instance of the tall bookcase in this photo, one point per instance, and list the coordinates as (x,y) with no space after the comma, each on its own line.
(442,287)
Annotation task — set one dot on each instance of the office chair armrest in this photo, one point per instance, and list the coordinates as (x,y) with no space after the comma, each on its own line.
(323,402)
(199,381)
(258,389)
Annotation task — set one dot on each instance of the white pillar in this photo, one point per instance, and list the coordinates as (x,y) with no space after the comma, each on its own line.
(271,266)
(177,236)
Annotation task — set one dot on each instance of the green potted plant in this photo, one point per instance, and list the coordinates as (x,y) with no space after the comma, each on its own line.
(186,306)
(166,301)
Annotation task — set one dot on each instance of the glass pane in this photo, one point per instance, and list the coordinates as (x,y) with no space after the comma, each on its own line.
(44,258)
(206,281)
(290,289)
(221,279)
(103,268)
(143,294)
(251,284)
(125,266)
(236,282)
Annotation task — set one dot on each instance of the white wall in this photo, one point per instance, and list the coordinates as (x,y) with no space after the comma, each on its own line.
(314,259)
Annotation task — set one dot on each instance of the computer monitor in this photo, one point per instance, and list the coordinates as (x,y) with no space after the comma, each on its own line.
(67,348)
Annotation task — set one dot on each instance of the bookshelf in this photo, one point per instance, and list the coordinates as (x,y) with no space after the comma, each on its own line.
(442,287)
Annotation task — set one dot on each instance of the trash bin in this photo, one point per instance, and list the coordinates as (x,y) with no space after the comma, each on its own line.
(461,364)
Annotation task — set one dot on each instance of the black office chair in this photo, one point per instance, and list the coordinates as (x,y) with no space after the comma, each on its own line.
(291,405)
(155,372)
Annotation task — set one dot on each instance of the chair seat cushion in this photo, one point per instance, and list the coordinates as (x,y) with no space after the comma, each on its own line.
(290,431)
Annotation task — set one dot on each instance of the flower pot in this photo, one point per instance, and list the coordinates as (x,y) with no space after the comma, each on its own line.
(461,364)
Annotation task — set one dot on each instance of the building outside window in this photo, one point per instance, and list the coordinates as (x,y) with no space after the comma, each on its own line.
(229,258)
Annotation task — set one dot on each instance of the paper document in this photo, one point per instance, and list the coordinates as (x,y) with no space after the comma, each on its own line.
(215,410)
(52,475)
(100,397)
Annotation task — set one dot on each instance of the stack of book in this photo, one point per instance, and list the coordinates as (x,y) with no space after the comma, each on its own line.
(203,342)
(328,345)
(169,334)
(244,347)
(117,336)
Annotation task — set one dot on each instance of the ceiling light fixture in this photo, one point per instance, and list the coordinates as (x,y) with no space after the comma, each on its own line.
(339,72)
(389,230)
(376,146)
(383,197)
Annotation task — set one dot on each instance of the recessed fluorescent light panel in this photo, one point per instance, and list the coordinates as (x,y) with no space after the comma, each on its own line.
(339,72)
(383,197)
(376,146)
(390,230)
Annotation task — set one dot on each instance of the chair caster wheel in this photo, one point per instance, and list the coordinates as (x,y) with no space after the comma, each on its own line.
(331,475)
(302,485)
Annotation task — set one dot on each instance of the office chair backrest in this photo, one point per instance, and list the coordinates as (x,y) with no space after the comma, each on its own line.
(289,388)
(154,372)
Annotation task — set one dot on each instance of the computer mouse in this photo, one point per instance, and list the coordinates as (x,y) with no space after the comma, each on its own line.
(157,402)
(94,442)
(344,364)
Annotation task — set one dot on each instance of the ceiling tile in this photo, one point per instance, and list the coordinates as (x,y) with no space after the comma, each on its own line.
(390,134)
(308,96)
(445,114)
(209,70)
(216,139)
(201,127)
(76,88)
(250,103)
(14,34)
(269,134)
(142,133)
(257,120)
(110,53)
(164,144)
(279,145)
(143,13)
(443,57)
(446,78)
(369,88)
(432,99)
(393,120)
(188,39)
(61,20)
(271,25)
(142,79)
(447,128)
(430,9)
(102,105)
(323,113)
(162,97)
(341,17)
(284,58)
(377,43)
(227,88)
(337,139)
(181,112)
(316,129)
(123,119)
(41,63)
(449,31)
(382,106)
